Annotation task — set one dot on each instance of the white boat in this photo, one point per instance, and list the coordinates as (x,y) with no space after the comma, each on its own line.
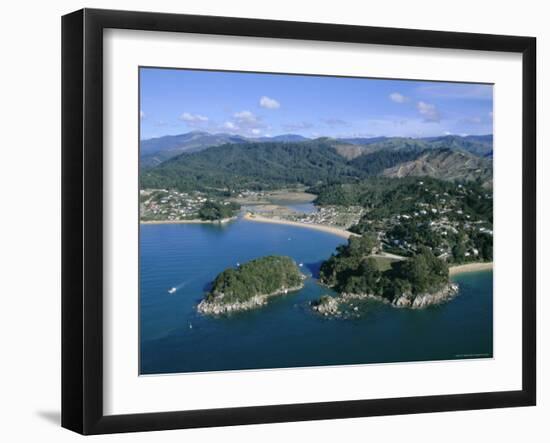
(172,290)
(301,264)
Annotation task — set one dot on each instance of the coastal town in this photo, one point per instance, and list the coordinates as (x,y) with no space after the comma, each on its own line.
(440,219)
(343,217)
(162,205)
(284,231)
(169,205)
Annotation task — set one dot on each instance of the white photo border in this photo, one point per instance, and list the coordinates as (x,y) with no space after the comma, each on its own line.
(126,392)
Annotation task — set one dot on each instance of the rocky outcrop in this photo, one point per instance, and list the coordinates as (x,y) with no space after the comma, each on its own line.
(218,307)
(332,305)
(326,305)
(423,300)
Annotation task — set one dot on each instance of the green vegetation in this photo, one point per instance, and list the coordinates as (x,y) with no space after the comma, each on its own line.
(481,146)
(170,205)
(157,150)
(212,211)
(353,271)
(252,165)
(347,259)
(454,220)
(384,263)
(374,163)
(386,196)
(260,277)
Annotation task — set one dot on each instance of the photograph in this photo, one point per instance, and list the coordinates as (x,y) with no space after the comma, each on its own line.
(298,220)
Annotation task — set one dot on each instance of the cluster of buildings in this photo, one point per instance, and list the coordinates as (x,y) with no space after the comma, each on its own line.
(442,224)
(337,216)
(163,204)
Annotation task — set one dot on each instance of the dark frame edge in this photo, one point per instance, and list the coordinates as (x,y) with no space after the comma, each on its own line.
(82,359)
(72,221)
(309,411)
(529,220)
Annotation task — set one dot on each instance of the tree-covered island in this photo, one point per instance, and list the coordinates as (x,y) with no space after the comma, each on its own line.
(415,282)
(416,207)
(251,284)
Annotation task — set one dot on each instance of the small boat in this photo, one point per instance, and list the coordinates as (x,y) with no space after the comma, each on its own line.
(172,290)
(301,264)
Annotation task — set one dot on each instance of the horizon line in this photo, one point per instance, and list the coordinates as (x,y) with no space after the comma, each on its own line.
(318,137)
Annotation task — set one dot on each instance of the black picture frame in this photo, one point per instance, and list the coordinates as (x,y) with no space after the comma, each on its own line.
(82,218)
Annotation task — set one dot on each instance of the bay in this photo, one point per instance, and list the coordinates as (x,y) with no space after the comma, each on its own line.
(174,338)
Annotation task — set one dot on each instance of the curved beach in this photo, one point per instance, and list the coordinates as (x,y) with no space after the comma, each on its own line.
(470,267)
(330,229)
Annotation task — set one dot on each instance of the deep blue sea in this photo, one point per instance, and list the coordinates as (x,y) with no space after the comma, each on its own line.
(286,333)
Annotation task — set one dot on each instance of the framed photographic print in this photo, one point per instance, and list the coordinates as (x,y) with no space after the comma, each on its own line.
(270,221)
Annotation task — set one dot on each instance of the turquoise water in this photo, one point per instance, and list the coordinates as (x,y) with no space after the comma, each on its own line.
(285,333)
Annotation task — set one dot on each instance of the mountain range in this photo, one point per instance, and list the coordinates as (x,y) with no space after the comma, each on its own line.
(445,164)
(234,162)
(157,150)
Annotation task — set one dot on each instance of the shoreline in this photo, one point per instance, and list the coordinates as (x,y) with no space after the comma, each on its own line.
(329,229)
(191,221)
(470,267)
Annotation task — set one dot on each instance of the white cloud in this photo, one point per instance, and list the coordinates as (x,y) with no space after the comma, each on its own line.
(193,118)
(245,117)
(269,103)
(230,126)
(428,111)
(398,98)
(245,123)
(397,126)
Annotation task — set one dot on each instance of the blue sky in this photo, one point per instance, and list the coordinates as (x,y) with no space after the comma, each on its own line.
(174,101)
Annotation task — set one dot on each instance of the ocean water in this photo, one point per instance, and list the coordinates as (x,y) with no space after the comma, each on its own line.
(286,333)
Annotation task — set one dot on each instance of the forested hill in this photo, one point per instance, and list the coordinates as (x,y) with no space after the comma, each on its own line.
(157,150)
(445,164)
(269,165)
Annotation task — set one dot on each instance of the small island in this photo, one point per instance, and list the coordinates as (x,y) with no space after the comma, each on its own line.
(355,273)
(251,284)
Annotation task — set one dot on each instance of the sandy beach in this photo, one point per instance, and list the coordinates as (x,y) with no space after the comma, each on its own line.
(330,229)
(194,221)
(470,267)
